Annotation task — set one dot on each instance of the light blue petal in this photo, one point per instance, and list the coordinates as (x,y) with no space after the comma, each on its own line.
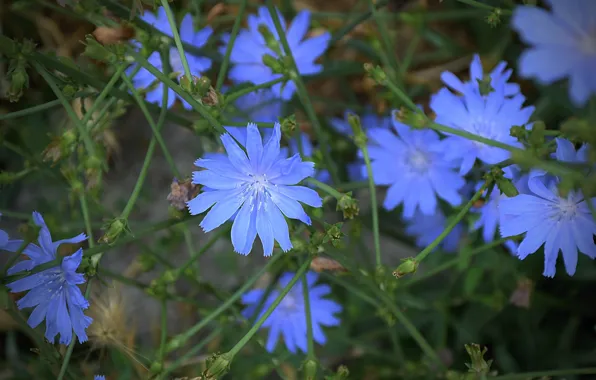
(534,239)
(215,181)
(240,227)
(254,145)
(289,207)
(206,199)
(279,225)
(273,337)
(298,28)
(221,212)
(236,154)
(264,229)
(271,150)
(302,194)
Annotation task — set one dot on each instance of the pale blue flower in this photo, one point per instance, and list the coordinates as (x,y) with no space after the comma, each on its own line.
(259,187)
(53,292)
(490,116)
(288,320)
(426,228)
(250,47)
(560,223)
(411,165)
(7,244)
(499,77)
(198,65)
(563,44)
(99,377)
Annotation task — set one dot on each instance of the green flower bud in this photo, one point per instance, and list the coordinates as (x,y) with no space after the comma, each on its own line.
(507,187)
(217,366)
(342,372)
(406,116)
(376,73)
(288,125)
(113,230)
(333,234)
(95,50)
(170,276)
(270,39)
(518,132)
(484,85)
(348,206)
(274,64)
(479,364)
(146,261)
(536,138)
(310,369)
(156,368)
(409,265)
(19,81)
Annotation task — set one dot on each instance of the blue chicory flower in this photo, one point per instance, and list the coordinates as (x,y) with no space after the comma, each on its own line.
(8,244)
(426,228)
(560,223)
(563,44)
(289,318)
(411,164)
(99,377)
(198,65)
(490,116)
(259,187)
(53,292)
(250,47)
(499,77)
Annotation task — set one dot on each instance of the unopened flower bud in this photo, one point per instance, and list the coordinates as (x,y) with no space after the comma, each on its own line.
(113,230)
(310,369)
(409,265)
(484,85)
(273,63)
(95,50)
(348,206)
(217,366)
(19,81)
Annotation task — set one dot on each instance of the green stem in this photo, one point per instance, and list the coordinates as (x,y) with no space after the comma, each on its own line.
(190,353)
(166,6)
(253,330)
(237,94)
(478,4)
(182,338)
(221,76)
(201,109)
(30,110)
(373,201)
(326,188)
(195,256)
(460,215)
(86,218)
(307,313)
(155,128)
(547,374)
(453,262)
(388,45)
(75,119)
(103,94)
(303,94)
(357,21)
(164,330)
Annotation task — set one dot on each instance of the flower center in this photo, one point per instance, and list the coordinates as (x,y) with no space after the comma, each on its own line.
(587,43)
(484,128)
(259,182)
(418,161)
(566,209)
(289,303)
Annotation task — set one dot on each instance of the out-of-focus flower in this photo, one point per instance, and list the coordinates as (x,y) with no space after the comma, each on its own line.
(257,106)
(322,175)
(53,292)
(426,228)
(258,187)
(261,39)
(490,116)
(498,78)
(561,223)
(289,318)
(198,65)
(181,192)
(99,377)
(563,44)
(412,165)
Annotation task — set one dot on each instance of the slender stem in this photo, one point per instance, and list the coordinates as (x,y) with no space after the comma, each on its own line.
(164,330)
(357,21)
(103,94)
(191,352)
(326,188)
(303,94)
(195,256)
(409,54)
(182,338)
(30,110)
(201,109)
(221,76)
(460,215)
(547,374)
(373,201)
(237,94)
(155,128)
(253,330)
(310,355)
(166,6)
(75,119)
(86,218)
(389,46)
(453,262)
(478,4)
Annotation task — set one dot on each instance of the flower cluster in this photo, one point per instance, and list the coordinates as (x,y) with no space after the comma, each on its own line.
(288,319)
(53,292)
